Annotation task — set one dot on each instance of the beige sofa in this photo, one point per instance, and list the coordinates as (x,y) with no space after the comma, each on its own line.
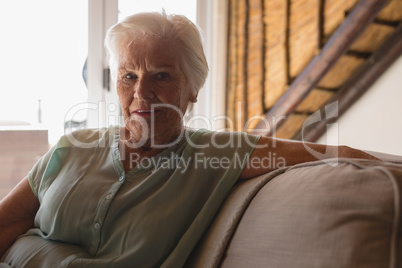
(344,213)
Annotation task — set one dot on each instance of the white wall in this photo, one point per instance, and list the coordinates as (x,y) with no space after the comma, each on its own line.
(374,122)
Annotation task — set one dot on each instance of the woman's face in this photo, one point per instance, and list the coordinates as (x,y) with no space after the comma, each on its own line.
(152,89)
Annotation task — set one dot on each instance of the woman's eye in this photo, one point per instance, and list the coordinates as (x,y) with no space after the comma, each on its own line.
(162,76)
(129,76)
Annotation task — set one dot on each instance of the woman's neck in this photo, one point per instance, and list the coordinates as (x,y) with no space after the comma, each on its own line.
(132,151)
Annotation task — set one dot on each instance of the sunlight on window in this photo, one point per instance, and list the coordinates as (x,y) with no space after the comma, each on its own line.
(43,51)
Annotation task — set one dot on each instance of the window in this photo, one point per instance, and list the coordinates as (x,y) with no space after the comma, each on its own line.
(43,52)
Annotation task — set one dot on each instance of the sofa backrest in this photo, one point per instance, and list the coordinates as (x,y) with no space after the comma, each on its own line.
(344,213)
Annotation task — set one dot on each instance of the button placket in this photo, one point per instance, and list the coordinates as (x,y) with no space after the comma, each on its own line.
(101,214)
(97,225)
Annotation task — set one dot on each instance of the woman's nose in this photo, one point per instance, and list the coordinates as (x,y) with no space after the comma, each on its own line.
(143,90)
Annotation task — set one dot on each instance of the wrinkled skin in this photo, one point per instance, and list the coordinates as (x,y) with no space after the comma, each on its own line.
(154,94)
(150,74)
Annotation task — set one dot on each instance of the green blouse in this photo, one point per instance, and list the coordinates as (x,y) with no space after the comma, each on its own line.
(93,214)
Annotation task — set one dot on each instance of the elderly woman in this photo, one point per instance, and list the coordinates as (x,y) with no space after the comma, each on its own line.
(140,195)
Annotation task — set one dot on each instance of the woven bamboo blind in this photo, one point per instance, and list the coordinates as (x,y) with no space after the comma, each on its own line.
(270,42)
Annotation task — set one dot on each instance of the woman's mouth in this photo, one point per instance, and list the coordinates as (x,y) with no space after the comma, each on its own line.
(145,113)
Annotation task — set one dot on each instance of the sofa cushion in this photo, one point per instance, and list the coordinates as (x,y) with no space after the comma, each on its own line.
(342,213)
(318,215)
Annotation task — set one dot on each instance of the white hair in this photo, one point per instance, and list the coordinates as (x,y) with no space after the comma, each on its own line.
(193,63)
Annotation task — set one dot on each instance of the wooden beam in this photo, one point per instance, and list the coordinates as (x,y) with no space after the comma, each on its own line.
(359,83)
(244,103)
(357,21)
(320,23)
(287,42)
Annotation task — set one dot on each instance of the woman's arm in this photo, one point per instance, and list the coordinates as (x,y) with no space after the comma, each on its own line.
(17,213)
(271,154)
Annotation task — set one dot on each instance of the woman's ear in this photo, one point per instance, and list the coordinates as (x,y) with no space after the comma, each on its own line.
(194,95)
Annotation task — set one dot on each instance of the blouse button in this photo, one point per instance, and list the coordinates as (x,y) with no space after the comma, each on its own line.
(109,196)
(121,178)
(97,226)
